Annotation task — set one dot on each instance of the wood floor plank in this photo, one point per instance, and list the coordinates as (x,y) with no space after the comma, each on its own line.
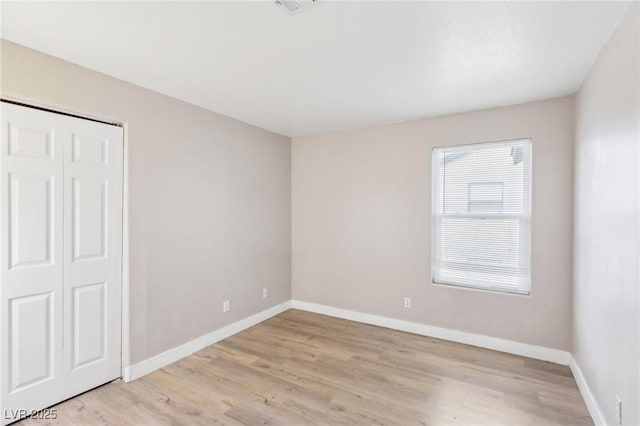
(300,368)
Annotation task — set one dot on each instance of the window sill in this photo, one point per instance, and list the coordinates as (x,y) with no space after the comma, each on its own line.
(482,290)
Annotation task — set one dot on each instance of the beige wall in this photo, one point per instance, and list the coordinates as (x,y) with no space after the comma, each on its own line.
(361,218)
(210,211)
(606,326)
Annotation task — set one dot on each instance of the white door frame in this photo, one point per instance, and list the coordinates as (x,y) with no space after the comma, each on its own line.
(125,305)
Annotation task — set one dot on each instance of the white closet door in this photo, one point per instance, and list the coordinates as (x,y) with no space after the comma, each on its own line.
(31,280)
(92,254)
(60,277)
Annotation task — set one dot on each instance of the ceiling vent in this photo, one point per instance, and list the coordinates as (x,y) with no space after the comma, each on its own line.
(293,7)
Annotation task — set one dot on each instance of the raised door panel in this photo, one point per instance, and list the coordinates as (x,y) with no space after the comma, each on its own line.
(89,324)
(88,150)
(89,216)
(31,330)
(30,142)
(31,219)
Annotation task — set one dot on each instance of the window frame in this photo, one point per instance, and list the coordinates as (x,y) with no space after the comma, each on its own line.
(526,215)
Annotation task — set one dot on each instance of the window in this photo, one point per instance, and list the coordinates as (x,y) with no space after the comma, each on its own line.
(481,218)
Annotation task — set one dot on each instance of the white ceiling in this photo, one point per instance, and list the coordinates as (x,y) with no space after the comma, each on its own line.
(335,66)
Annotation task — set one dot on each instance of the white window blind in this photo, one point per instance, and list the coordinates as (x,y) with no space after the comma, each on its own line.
(481,220)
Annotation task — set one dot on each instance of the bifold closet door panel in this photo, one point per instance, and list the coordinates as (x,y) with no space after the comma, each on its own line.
(31,279)
(61,256)
(92,254)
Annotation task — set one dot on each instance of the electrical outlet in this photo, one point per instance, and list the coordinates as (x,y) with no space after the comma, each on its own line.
(226,306)
(618,410)
(407,302)
(265,293)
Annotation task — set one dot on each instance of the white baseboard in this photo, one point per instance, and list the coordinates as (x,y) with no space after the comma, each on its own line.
(172,355)
(587,395)
(524,349)
(532,351)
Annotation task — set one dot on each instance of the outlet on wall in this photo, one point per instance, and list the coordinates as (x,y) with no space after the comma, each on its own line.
(618,410)
(407,302)
(265,293)
(226,306)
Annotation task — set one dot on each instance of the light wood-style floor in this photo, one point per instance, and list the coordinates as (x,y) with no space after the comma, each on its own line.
(300,368)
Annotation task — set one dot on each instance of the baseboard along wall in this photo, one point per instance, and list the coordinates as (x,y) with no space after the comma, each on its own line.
(503,345)
(517,348)
(588,397)
(174,354)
